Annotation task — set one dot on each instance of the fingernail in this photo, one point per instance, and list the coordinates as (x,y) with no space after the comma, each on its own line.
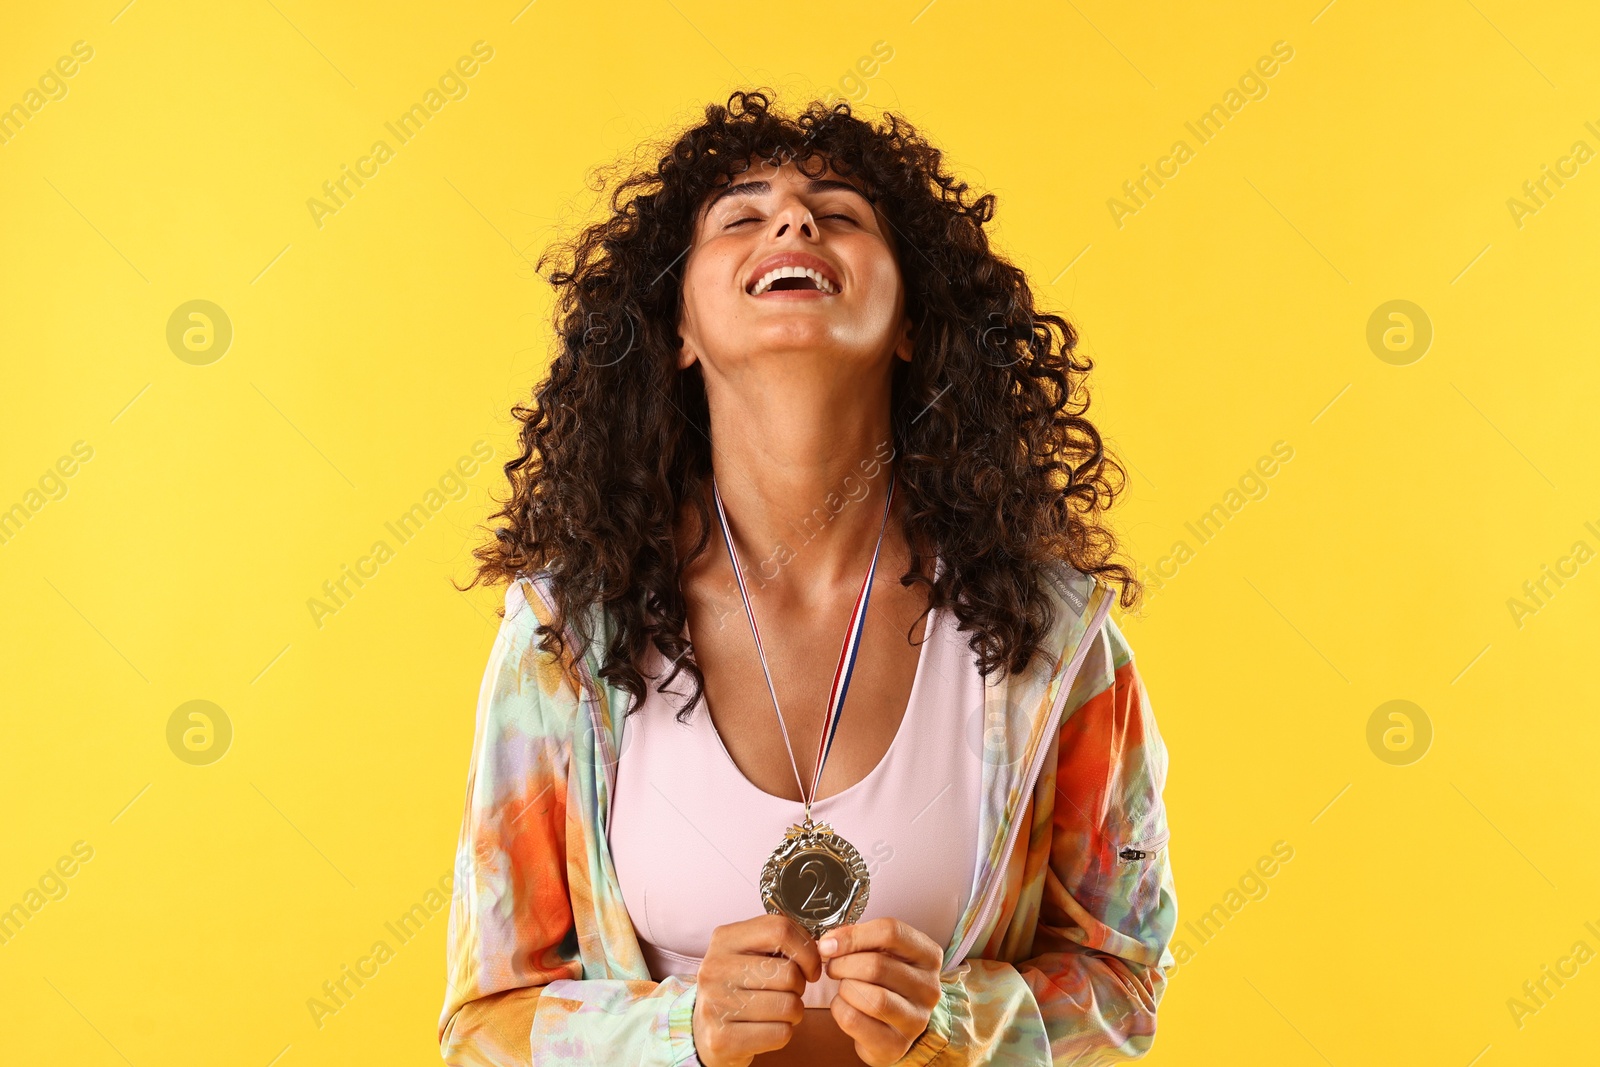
(828,945)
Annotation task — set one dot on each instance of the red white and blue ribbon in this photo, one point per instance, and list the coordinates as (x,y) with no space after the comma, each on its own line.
(847,654)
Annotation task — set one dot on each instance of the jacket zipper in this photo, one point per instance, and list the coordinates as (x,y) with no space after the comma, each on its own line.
(1143,850)
(992,897)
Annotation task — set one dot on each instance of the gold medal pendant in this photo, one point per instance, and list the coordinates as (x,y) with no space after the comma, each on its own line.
(815,877)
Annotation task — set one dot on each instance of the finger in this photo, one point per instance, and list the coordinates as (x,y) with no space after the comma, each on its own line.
(773,935)
(760,1006)
(866,1030)
(752,1038)
(884,934)
(882,1005)
(796,943)
(755,970)
(918,985)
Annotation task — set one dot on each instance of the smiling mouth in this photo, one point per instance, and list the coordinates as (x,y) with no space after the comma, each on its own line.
(790,279)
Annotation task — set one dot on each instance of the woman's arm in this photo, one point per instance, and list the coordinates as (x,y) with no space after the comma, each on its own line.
(1108,908)
(516,995)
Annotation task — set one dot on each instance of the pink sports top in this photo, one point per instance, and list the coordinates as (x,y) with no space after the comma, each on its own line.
(689,833)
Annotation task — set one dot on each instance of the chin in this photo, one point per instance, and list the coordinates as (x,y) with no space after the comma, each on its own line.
(797,337)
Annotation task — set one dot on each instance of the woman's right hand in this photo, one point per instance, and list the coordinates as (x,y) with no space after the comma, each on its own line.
(751,982)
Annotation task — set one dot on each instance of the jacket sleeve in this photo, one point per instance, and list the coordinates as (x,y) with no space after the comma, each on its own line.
(516,992)
(1108,907)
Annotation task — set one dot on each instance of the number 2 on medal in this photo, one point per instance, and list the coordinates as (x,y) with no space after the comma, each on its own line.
(814,867)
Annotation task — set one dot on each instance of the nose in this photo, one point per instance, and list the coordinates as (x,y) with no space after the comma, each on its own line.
(793,214)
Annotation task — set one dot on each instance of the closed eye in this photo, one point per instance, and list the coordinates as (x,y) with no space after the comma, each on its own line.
(752,218)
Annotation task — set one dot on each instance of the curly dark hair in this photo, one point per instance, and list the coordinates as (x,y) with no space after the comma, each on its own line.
(1000,471)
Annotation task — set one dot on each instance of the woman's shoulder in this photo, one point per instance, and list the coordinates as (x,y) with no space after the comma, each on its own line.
(530,601)
(1109,651)
(524,670)
(1075,589)
(532,588)
(519,617)
(1070,585)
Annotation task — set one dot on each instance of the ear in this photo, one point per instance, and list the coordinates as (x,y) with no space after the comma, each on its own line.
(907,343)
(688,351)
(686,356)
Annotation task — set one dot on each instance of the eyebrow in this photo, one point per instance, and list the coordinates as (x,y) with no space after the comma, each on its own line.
(761,188)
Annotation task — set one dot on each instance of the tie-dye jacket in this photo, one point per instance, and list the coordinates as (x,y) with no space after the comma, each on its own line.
(1061,957)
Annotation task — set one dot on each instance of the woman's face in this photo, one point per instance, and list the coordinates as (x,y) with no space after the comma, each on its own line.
(733,314)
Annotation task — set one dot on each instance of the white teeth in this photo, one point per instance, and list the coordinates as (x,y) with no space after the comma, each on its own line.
(766,280)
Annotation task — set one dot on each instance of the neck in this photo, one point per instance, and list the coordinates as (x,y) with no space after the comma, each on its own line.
(803,478)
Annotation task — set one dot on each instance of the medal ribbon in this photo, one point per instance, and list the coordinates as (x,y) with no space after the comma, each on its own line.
(847,654)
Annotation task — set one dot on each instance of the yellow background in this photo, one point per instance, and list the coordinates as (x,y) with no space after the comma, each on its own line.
(369,354)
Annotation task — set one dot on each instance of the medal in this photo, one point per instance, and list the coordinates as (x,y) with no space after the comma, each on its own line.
(814,876)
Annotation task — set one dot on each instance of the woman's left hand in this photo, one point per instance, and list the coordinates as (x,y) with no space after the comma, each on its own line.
(889,984)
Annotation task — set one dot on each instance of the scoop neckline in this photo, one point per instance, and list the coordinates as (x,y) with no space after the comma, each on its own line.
(935,615)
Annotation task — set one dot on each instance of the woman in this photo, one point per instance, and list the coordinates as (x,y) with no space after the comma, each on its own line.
(802,412)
